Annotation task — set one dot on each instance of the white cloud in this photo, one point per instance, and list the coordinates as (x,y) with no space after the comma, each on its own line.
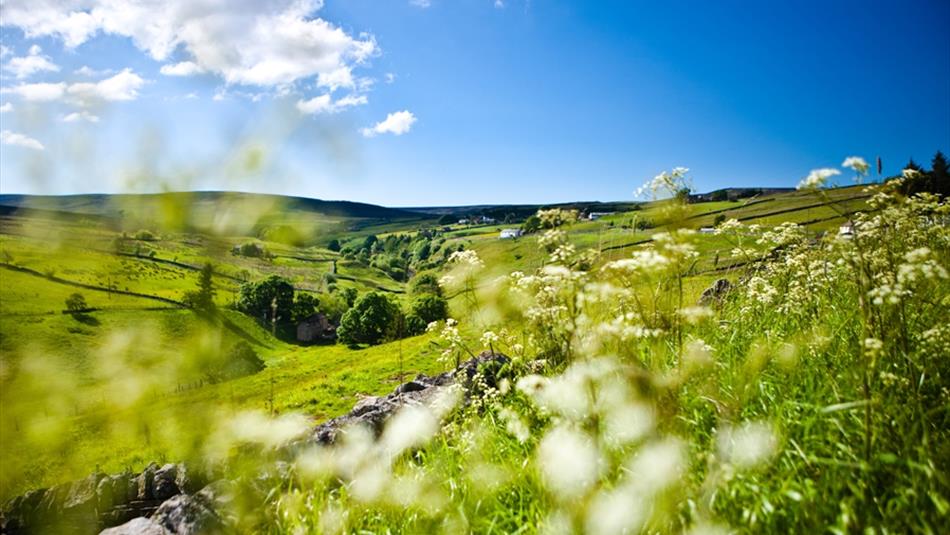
(326,104)
(499,4)
(4,51)
(390,77)
(397,123)
(420,3)
(122,86)
(341,77)
(89,72)
(254,42)
(19,140)
(183,68)
(81,116)
(26,66)
(6,107)
(40,92)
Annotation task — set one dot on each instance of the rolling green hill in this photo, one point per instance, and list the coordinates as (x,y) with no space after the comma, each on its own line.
(52,247)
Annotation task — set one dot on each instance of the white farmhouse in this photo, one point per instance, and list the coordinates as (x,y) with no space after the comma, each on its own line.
(510,233)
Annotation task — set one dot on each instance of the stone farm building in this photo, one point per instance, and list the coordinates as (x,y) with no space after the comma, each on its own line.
(315,328)
(510,233)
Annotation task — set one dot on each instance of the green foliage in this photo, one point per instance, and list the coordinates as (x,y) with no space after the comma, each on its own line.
(271,299)
(371,320)
(250,250)
(305,305)
(425,283)
(531,224)
(334,245)
(76,303)
(203,299)
(349,296)
(145,235)
(429,308)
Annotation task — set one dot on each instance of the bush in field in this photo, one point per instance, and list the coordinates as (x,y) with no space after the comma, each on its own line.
(370,321)
(250,250)
(145,235)
(76,303)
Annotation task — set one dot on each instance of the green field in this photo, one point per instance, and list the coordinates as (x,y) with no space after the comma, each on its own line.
(120,385)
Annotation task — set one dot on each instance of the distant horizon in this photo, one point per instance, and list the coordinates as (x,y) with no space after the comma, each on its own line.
(416,206)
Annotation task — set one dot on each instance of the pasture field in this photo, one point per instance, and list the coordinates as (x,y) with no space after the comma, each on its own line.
(117,386)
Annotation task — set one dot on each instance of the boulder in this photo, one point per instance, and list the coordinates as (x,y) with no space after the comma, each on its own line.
(165,482)
(113,490)
(145,483)
(188,514)
(716,293)
(137,526)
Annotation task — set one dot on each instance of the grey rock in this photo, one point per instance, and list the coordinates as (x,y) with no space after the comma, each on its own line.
(715,293)
(186,515)
(145,483)
(137,526)
(164,483)
(113,490)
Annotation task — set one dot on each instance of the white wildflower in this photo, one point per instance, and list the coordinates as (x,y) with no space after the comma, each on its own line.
(568,461)
(857,164)
(747,445)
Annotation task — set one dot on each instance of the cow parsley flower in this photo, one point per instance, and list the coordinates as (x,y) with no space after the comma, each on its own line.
(569,462)
(856,163)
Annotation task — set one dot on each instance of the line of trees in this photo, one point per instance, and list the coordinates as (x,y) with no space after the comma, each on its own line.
(936,180)
(377,317)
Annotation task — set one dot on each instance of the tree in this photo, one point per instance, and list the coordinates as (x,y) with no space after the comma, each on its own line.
(940,175)
(917,182)
(203,299)
(76,304)
(447,219)
(425,283)
(334,245)
(271,299)
(305,305)
(532,224)
(430,308)
(682,195)
(371,320)
(349,296)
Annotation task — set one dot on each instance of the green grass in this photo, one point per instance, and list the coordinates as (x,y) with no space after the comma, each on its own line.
(89,427)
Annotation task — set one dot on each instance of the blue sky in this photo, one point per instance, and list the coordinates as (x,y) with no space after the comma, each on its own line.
(439,102)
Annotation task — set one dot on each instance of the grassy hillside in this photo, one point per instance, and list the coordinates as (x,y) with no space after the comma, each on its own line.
(92,415)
